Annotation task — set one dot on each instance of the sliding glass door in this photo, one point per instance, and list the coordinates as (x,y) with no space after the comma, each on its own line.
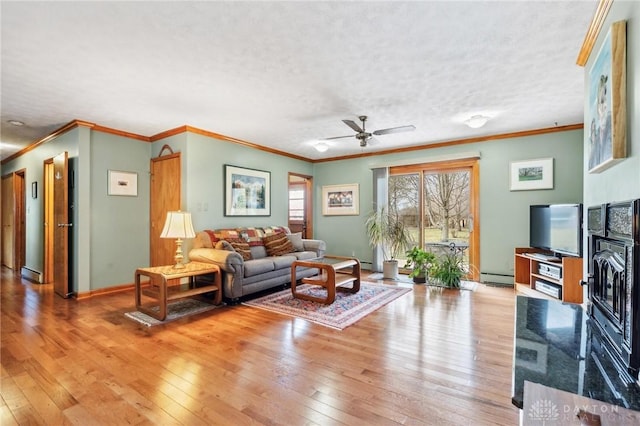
(439,203)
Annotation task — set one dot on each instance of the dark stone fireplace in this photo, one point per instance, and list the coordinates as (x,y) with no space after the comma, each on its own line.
(614,284)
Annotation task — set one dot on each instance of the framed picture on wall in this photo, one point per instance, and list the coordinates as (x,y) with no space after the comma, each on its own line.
(123,183)
(531,174)
(341,200)
(606,123)
(247,192)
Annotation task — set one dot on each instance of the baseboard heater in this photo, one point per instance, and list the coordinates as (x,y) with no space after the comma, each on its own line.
(31,275)
(496,278)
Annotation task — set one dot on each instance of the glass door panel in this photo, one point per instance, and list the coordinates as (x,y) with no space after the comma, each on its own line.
(447,212)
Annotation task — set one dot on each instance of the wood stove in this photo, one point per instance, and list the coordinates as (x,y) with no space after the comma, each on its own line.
(614,285)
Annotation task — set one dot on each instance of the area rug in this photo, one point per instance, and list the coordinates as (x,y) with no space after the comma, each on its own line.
(175,310)
(347,309)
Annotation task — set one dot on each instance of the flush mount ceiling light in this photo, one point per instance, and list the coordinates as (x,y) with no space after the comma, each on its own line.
(477,121)
(321,147)
(16,122)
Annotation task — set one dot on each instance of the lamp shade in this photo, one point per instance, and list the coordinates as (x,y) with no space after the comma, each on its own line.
(178,225)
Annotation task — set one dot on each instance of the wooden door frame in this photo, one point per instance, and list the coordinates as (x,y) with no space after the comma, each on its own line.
(473,166)
(308,207)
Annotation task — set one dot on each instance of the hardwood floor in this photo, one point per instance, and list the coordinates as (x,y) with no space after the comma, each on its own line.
(431,357)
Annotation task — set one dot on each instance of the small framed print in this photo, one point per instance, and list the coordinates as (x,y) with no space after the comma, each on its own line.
(34,189)
(122,183)
(341,200)
(531,174)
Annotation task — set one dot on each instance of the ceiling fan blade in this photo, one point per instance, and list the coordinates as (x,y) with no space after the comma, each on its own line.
(339,137)
(394,130)
(353,125)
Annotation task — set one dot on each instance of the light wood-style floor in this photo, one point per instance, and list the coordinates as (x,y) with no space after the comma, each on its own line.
(431,357)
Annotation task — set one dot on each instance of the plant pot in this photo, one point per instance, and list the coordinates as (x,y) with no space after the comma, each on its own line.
(420,279)
(390,269)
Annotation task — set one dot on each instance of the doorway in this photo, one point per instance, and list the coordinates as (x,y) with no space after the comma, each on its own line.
(300,216)
(438,202)
(13,239)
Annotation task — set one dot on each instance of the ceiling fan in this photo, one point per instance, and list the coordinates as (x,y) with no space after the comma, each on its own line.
(363,136)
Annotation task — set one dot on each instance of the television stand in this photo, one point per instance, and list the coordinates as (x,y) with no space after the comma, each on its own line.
(540,274)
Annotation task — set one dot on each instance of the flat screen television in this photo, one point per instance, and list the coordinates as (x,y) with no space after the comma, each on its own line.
(557,228)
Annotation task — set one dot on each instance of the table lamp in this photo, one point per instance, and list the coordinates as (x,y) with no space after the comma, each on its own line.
(178,225)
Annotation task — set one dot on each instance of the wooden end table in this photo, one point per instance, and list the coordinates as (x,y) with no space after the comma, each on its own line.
(333,272)
(162,293)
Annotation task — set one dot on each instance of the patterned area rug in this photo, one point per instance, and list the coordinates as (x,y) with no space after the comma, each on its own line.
(346,310)
(175,310)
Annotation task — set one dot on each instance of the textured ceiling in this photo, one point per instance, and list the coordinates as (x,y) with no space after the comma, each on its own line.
(284,74)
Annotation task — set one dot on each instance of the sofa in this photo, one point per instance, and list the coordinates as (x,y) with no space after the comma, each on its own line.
(254,259)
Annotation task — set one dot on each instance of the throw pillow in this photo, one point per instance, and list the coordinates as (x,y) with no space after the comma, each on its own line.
(277,244)
(296,240)
(224,245)
(242,247)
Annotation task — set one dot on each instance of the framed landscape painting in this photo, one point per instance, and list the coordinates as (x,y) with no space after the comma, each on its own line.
(247,192)
(606,124)
(340,200)
(531,174)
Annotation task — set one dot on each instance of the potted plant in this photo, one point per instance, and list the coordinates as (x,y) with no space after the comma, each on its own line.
(385,229)
(420,261)
(449,270)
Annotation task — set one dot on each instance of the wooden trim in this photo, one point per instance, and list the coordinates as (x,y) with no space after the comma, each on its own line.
(69,126)
(183,129)
(168,133)
(117,132)
(594,30)
(460,142)
(218,136)
(104,291)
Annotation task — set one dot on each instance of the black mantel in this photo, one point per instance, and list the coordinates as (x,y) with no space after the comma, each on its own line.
(556,346)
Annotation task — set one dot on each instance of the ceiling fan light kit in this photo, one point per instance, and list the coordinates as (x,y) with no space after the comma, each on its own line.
(363,136)
(477,121)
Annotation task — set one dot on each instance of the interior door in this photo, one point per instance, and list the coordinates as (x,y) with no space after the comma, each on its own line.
(49,220)
(7,221)
(300,206)
(61,284)
(165,197)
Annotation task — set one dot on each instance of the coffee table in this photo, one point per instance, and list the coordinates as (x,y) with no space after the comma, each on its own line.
(163,293)
(333,272)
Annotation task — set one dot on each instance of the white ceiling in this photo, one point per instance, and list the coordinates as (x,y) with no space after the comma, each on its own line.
(284,74)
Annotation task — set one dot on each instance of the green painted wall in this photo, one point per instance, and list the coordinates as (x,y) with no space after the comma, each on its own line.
(119,224)
(205,176)
(111,233)
(504,215)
